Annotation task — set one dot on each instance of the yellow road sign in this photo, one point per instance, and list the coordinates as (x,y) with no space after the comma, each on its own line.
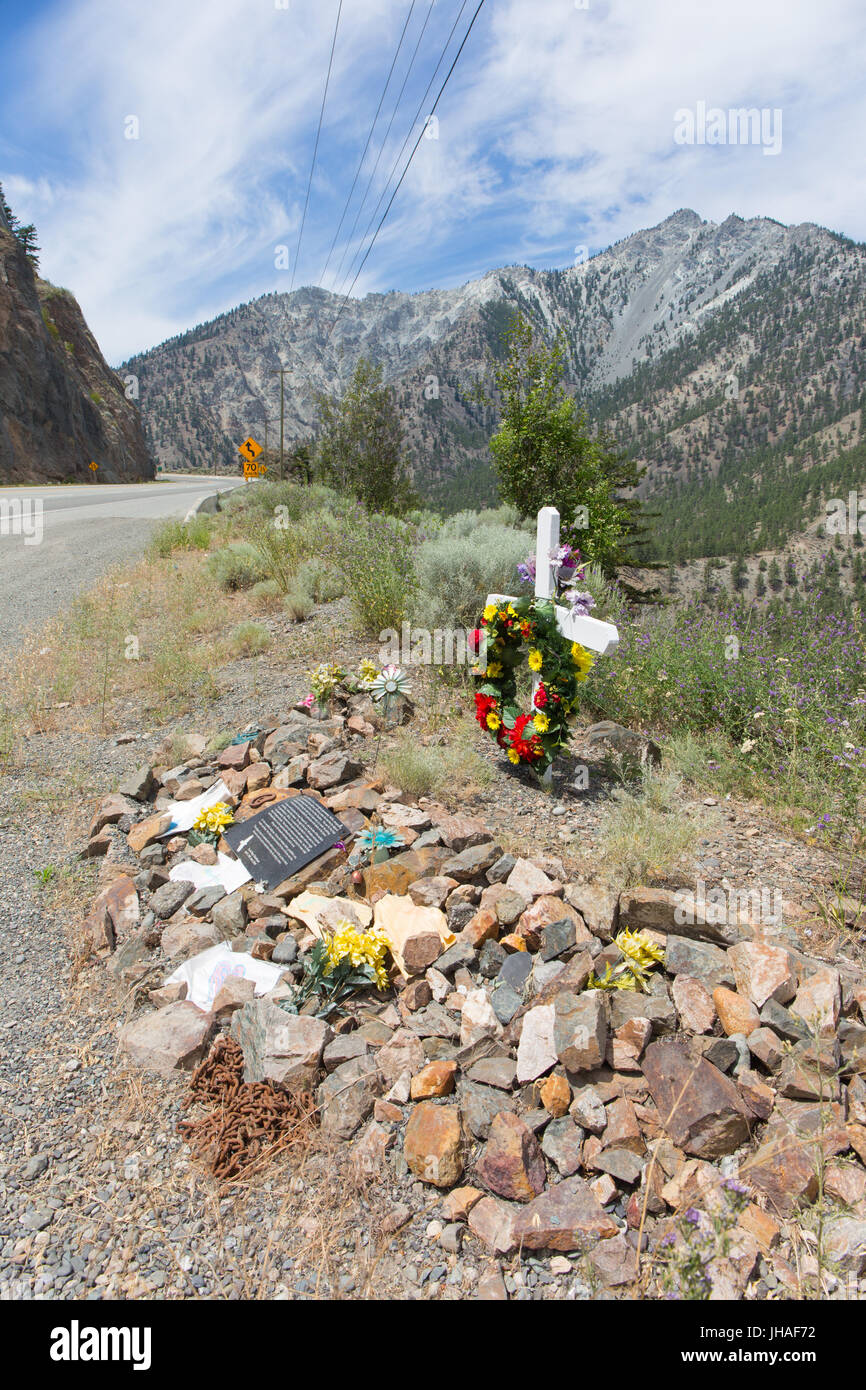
(93,467)
(254,470)
(250,449)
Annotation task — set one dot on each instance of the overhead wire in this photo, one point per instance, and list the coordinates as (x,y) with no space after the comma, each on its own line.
(367,142)
(463,42)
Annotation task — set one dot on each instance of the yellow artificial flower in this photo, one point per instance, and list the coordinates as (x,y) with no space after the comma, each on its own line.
(494,670)
(511,611)
(542,723)
(535,660)
(215,818)
(493,721)
(489,613)
(513,756)
(583,660)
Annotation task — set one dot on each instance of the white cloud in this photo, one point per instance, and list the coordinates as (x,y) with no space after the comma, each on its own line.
(557,129)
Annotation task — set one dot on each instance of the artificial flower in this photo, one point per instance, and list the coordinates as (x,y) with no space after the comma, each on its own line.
(536,660)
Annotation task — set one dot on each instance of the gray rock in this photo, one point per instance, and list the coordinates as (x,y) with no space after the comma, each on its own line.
(230,915)
(460,914)
(506,1003)
(557,938)
(494,1071)
(460,954)
(479,1104)
(621,1164)
(783,1022)
(167,899)
(498,872)
(471,863)
(279,1046)
(347,1097)
(491,959)
(516,969)
(285,952)
(562,1145)
(701,960)
(344,1047)
(658,1008)
(202,901)
(139,784)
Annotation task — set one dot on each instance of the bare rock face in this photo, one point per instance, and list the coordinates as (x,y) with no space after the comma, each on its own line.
(61,406)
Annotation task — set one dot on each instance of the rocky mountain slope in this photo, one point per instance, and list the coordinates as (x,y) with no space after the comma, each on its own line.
(724,356)
(61,406)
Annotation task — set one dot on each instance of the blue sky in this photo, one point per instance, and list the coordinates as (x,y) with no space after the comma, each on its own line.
(555,132)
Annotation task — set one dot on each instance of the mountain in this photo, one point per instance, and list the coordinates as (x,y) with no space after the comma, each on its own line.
(61,406)
(728,358)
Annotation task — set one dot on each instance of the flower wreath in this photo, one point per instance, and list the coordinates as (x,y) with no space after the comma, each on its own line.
(561,666)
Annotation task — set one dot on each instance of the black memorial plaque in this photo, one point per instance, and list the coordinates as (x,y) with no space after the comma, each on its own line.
(283,838)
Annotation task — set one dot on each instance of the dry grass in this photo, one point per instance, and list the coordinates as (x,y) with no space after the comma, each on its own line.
(648,831)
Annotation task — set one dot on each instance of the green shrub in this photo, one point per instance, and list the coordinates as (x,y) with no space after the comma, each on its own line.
(456,572)
(322,581)
(266,593)
(236,566)
(248,638)
(172,535)
(298,605)
(376,554)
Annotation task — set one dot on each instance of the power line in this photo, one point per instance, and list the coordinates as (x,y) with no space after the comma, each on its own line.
(411,156)
(385,137)
(406,140)
(316,146)
(369,138)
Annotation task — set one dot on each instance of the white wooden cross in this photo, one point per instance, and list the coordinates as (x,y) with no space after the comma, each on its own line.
(591,633)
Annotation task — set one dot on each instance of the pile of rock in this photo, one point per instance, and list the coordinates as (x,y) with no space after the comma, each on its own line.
(551,1115)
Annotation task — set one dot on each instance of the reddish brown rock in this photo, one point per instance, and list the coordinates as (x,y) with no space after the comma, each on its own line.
(110,810)
(459,1202)
(433,1146)
(737,1014)
(628,1042)
(484,926)
(760,1225)
(555,1095)
(512,1164)
(694,1004)
(432,892)
(235,756)
(547,909)
(493,1223)
(819,1000)
(622,1130)
(699,1107)
(416,995)
(462,832)
(763,972)
(568,1216)
(436,1079)
(113,917)
(174,1037)
(146,831)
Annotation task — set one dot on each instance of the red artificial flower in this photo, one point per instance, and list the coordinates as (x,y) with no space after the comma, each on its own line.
(540,696)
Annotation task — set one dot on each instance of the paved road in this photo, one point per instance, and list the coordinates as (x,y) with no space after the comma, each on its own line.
(63,538)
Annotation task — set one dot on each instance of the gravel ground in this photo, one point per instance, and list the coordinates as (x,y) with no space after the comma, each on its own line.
(100,1196)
